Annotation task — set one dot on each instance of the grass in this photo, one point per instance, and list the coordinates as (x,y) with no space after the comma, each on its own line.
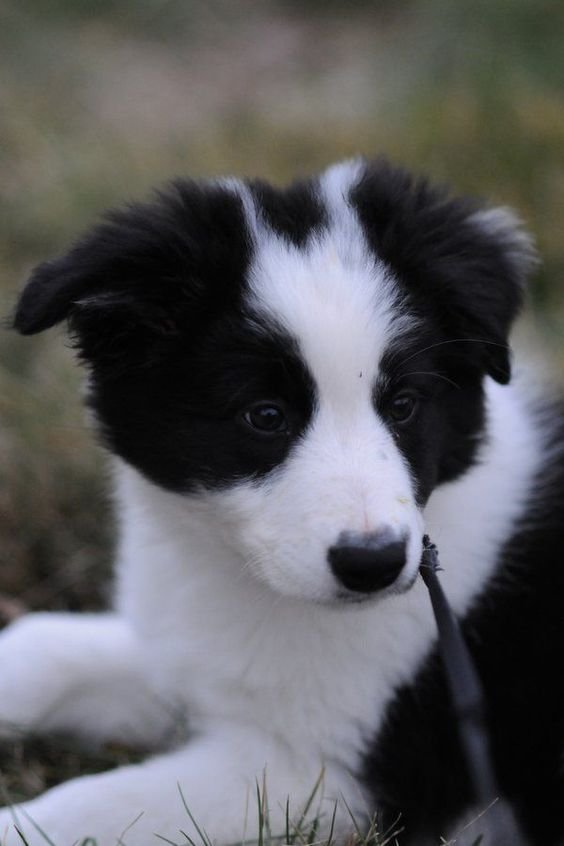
(100,101)
(300,829)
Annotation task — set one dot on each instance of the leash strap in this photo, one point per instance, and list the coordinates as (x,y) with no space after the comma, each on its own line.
(469,706)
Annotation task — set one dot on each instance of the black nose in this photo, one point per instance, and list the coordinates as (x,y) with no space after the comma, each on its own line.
(367,563)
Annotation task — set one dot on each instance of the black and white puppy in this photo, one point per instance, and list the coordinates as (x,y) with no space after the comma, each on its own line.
(295,385)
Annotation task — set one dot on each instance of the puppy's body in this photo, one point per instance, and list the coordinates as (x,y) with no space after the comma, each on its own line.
(294,384)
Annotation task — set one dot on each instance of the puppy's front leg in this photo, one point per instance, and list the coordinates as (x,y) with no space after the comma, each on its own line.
(80,673)
(215,775)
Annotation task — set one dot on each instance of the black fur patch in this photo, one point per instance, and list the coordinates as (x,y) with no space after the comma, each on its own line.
(467,275)
(442,440)
(293,212)
(154,298)
(181,421)
(148,272)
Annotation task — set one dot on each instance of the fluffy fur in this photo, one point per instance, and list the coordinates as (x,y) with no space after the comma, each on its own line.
(295,385)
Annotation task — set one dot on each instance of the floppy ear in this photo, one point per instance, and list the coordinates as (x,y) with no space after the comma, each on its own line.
(145,273)
(466,265)
(488,289)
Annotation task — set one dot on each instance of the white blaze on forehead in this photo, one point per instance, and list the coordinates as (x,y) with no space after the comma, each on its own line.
(341,305)
(333,296)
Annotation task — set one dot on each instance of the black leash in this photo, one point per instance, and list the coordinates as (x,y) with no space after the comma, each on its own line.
(469,706)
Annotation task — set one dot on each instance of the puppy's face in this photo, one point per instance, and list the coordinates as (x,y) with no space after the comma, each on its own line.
(308,363)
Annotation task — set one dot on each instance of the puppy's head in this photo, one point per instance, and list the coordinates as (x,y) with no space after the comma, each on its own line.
(309,362)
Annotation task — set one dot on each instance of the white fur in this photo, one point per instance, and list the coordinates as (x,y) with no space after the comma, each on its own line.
(341,307)
(226,608)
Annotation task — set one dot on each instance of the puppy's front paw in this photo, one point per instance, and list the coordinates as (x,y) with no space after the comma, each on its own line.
(23,695)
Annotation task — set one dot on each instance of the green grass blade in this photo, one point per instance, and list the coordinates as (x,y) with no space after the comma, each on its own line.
(204,837)
(188,838)
(166,840)
(332,826)
(309,801)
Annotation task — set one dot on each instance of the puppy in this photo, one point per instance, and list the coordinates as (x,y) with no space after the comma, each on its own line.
(294,385)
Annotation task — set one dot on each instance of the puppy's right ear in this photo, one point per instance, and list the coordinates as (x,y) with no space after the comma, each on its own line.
(55,289)
(116,268)
(142,273)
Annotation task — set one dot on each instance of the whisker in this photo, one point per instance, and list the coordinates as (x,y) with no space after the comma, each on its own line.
(431,373)
(454,341)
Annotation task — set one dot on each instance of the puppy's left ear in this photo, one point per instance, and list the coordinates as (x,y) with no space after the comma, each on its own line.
(465,265)
(488,296)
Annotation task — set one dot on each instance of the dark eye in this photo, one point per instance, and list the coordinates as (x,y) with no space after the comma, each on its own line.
(403,406)
(267,418)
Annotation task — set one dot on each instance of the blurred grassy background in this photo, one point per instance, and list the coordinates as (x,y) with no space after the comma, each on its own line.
(99,101)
